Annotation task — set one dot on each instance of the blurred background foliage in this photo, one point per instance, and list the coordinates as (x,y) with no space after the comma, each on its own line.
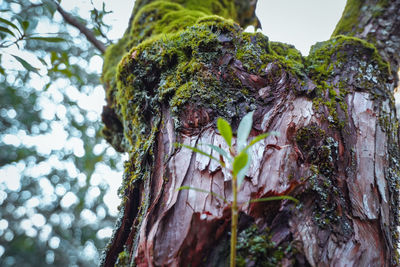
(56,204)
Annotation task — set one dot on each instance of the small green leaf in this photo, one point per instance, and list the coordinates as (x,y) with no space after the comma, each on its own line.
(242,173)
(66,72)
(220,151)
(10,24)
(225,130)
(26,65)
(42,61)
(48,39)
(50,6)
(274,198)
(24,24)
(203,191)
(53,56)
(239,162)
(244,130)
(4,29)
(257,139)
(194,149)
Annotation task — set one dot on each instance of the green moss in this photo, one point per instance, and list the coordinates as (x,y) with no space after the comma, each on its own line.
(179,67)
(162,17)
(255,247)
(334,58)
(321,151)
(223,8)
(354,11)
(288,51)
(333,54)
(112,57)
(291,58)
(349,18)
(123,259)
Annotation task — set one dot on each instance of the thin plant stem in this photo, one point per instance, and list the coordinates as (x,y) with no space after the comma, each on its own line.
(234,222)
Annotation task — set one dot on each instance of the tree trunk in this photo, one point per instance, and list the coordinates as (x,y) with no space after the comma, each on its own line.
(181,65)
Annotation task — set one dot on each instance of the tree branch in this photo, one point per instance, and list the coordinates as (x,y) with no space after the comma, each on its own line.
(82,28)
(377,22)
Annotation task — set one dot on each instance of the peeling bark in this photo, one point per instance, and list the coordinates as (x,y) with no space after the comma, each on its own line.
(337,151)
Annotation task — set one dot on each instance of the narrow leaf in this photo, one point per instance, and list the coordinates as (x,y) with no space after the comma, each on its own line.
(203,191)
(244,130)
(48,39)
(42,61)
(10,24)
(50,6)
(242,173)
(26,65)
(220,151)
(4,29)
(194,149)
(24,24)
(239,162)
(274,198)
(225,130)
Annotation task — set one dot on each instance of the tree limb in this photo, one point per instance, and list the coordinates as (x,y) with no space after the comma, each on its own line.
(378,23)
(82,28)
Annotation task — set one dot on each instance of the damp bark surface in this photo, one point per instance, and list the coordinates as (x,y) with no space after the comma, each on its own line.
(181,65)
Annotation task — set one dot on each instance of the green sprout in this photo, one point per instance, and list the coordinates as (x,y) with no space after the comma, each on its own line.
(239,158)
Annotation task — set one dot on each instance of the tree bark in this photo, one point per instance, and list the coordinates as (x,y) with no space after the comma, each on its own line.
(183,64)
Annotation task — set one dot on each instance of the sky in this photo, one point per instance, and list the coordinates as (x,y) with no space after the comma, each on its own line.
(299,22)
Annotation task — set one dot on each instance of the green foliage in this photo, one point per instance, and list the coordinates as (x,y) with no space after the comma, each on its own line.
(244,131)
(25,64)
(38,172)
(239,163)
(225,130)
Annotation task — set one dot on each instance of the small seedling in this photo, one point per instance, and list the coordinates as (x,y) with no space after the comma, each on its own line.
(239,162)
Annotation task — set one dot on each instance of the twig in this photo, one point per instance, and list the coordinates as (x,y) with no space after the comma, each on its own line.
(82,28)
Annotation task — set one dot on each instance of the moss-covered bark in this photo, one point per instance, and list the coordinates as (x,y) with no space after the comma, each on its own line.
(376,22)
(180,65)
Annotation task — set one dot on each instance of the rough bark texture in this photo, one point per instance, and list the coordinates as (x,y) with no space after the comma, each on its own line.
(179,68)
(377,22)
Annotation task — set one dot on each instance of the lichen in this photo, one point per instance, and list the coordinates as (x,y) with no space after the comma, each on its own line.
(321,152)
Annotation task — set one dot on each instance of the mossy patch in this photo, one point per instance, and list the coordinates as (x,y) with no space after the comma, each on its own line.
(290,56)
(353,12)
(355,63)
(349,18)
(255,248)
(321,152)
